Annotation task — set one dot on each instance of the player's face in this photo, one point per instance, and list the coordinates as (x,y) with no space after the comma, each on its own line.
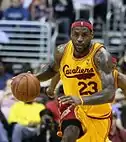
(81,38)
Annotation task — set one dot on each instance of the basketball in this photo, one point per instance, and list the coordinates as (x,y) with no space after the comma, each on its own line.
(25,87)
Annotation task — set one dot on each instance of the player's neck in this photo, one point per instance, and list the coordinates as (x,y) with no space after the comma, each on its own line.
(85,53)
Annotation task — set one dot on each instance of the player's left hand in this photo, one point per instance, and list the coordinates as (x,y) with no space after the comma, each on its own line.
(70,100)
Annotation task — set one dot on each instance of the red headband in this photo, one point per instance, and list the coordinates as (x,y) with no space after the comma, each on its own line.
(82,24)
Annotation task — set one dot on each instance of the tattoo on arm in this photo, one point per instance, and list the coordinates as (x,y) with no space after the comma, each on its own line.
(46,72)
(103,61)
(50,70)
(59,51)
(105,68)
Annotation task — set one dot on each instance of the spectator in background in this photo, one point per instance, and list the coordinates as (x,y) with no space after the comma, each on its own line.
(40,10)
(3,131)
(48,127)
(26,3)
(25,117)
(8,99)
(64,14)
(16,11)
(117,106)
(122,63)
(1,12)
(116,134)
(25,68)
(100,9)
(4,76)
(9,68)
(119,97)
(123,115)
(5,4)
(3,37)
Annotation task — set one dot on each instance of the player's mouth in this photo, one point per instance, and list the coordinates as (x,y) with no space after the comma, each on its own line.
(79,46)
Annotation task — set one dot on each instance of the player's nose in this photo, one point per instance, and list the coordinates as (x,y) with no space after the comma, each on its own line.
(80,39)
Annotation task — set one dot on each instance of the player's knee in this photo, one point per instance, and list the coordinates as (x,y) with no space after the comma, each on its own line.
(71,134)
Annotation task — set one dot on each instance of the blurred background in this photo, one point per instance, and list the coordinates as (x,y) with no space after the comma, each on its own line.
(29,32)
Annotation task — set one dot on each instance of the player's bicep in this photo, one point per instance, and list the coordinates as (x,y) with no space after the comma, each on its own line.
(103,61)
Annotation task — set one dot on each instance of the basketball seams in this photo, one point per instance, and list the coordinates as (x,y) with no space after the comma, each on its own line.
(27,94)
(28,86)
(19,85)
(34,80)
(25,87)
(16,88)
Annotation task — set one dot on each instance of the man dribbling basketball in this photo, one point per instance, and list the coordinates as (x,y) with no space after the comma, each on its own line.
(89,81)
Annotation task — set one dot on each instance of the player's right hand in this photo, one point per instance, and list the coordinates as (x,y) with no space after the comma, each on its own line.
(50,93)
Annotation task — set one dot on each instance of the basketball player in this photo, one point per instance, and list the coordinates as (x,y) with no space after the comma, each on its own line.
(89,81)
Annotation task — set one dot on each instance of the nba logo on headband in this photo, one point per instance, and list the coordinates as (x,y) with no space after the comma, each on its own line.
(82,24)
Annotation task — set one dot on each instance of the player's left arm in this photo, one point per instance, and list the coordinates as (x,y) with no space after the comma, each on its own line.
(103,62)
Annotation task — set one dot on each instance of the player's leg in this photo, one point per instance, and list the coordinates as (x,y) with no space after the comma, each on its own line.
(71,134)
(70,125)
(72,130)
(97,129)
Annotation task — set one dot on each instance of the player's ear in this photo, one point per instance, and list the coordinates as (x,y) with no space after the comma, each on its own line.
(71,32)
(92,34)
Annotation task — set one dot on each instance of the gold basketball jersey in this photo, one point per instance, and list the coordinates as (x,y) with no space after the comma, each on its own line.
(80,77)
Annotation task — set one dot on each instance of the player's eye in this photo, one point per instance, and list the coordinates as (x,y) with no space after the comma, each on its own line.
(76,34)
(84,34)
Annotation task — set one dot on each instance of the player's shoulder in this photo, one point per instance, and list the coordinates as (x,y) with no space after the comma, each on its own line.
(61,48)
(100,49)
(59,51)
(103,60)
(97,44)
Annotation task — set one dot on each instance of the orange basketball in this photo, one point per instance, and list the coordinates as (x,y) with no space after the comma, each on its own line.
(25,87)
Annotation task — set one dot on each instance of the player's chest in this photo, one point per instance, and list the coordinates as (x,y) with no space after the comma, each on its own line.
(83,68)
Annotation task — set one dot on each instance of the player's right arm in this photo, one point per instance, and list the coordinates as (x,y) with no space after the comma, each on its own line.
(51,89)
(51,69)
